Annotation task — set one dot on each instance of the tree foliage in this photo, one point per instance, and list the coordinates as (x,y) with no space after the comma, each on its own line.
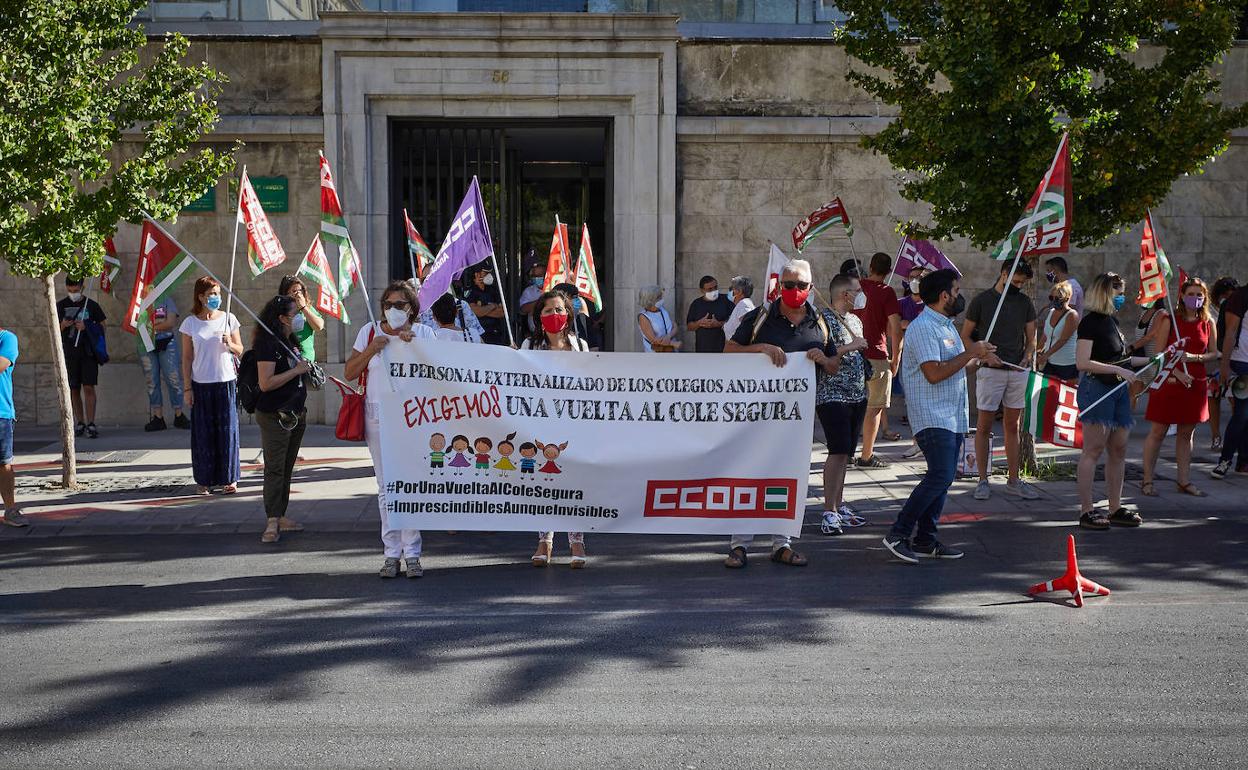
(73,78)
(985,88)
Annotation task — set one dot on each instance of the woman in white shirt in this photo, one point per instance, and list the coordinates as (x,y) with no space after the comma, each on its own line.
(657,333)
(211,342)
(552,315)
(399,308)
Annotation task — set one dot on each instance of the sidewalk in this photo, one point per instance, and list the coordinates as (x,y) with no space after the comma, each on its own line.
(135,482)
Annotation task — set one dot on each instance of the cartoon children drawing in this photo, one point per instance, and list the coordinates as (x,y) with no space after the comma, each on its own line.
(437,451)
(483,446)
(551,452)
(528,451)
(505,450)
(458,445)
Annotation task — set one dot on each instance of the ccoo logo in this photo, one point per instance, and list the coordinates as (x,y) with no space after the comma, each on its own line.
(722,498)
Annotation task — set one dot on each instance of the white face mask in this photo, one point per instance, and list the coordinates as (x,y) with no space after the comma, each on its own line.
(914,286)
(75,296)
(297,323)
(860,300)
(396,318)
(711,296)
(488,280)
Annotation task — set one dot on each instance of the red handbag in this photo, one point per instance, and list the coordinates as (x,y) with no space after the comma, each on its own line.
(350,425)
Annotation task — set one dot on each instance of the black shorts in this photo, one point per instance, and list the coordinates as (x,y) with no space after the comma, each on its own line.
(82,367)
(1067,373)
(842,425)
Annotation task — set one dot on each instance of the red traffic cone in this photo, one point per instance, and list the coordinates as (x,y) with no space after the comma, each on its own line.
(1072,581)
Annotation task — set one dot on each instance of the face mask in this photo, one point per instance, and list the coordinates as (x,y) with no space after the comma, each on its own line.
(1119,301)
(1194,302)
(537,281)
(860,301)
(554,323)
(711,296)
(959,304)
(1056,303)
(213,302)
(488,280)
(75,296)
(1051,276)
(297,323)
(577,304)
(1015,290)
(794,298)
(914,286)
(396,318)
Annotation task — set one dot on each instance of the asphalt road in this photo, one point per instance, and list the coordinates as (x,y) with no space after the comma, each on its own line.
(193,650)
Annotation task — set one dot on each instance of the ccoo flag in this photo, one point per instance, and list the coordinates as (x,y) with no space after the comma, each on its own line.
(112,267)
(1045,225)
(776,260)
(924,254)
(334,230)
(821,219)
(586,275)
(1155,270)
(467,242)
(558,267)
(419,251)
(162,264)
(1051,412)
(264,250)
(315,268)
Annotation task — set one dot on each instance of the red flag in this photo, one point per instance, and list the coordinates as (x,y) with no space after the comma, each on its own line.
(830,213)
(315,268)
(586,275)
(264,250)
(422,257)
(112,267)
(1182,278)
(1155,270)
(162,264)
(557,268)
(1047,218)
(1051,412)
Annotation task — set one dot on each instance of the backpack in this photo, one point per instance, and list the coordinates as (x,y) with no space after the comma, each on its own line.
(248,382)
(97,344)
(761,319)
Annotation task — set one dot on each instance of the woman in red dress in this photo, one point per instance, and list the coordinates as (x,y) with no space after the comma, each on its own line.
(1182,398)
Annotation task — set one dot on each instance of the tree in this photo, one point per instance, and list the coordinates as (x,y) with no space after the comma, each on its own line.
(71,81)
(985,87)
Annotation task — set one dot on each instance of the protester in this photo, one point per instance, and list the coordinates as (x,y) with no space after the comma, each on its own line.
(791,325)
(445,316)
(280,411)
(486,302)
(1222,289)
(552,313)
(657,331)
(1057,273)
(579,324)
(209,377)
(1182,399)
(1156,315)
(910,306)
(1001,382)
(1056,342)
(399,309)
(933,363)
(532,290)
(706,317)
(13,515)
(465,319)
(1235,363)
(840,399)
(163,364)
(742,289)
(76,310)
(880,313)
(1105,362)
(292,286)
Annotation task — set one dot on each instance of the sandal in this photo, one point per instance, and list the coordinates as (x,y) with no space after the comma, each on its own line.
(737,558)
(204,491)
(542,556)
(787,555)
(229,489)
(1095,519)
(1191,489)
(892,435)
(285,524)
(1147,489)
(271,535)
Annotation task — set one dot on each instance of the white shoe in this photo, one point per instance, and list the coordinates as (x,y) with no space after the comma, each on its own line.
(912,452)
(982,492)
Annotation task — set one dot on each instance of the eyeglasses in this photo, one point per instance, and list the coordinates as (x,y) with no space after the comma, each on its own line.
(400,305)
(803,285)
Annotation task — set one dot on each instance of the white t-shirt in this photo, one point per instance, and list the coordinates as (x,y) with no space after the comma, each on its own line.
(578,344)
(734,319)
(450,335)
(376,366)
(213,361)
(1076,295)
(531,293)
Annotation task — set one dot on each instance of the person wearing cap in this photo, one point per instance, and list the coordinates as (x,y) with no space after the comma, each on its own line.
(75,311)
(486,302)
(536,273)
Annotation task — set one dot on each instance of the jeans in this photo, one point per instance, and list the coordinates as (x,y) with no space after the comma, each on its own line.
(163,366)
(281,449)
(1235,437)
(922,509)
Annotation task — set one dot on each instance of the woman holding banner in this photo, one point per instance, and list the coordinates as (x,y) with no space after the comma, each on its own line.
(1102,355)
(1182,399)
(400,308)
(552,330)
(209,379)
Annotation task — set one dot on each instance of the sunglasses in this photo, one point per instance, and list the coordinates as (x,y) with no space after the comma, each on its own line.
(803,285)
(400,305)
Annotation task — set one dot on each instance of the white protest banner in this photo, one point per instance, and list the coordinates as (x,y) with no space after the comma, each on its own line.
(482,437)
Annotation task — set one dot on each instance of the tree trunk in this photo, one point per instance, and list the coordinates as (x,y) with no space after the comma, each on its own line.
(69,460)
(1027,462)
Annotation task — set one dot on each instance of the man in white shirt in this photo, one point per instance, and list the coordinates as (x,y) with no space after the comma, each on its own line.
(1057,271)
(742,289)
(537,276)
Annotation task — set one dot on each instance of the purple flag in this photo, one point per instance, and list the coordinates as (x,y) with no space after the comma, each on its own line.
(919,253)
(467,243)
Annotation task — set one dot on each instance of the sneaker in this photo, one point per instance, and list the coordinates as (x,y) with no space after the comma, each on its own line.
(912,452)
(1124,518)
(1221,469)
(155,424)
(180,421)
(79,429)
(92,431)
(14,517)
(936,550)
(1022,489)
(831,524)
(901,549)
(850,517)
(414,570)
(390,569)
(872,462)
(982,491)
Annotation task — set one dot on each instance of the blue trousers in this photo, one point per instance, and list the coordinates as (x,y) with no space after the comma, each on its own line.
(1235,437)
(922,509)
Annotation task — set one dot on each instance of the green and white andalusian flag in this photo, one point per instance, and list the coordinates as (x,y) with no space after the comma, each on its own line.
(315,268)
(1046,220)
(335,236)
(163,263)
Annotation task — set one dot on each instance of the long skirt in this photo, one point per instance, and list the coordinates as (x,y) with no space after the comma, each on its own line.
(214,434)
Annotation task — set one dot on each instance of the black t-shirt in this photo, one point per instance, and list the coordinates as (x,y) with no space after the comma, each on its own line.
(1108,345)
(709,340)
(1010,333)
(777,330)
(495,328)
(289,397)
(84,309)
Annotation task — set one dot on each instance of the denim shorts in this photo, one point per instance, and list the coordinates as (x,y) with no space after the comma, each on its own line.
(1113,412)
(6,441)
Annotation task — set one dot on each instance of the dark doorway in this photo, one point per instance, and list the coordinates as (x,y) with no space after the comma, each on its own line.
(529,172)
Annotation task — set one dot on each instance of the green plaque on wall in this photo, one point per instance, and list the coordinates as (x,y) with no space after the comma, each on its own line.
(273,192)
(205,202)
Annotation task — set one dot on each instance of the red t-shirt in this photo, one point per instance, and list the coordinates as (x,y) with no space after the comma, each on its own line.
(881,303)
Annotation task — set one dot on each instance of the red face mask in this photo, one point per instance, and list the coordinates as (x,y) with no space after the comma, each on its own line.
(794,298)
(555,322)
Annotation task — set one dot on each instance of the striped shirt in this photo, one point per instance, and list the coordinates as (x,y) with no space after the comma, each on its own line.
(933,337)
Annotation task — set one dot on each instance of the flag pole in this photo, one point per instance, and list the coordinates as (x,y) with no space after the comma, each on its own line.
(1174,321)
(511,337)
(411,258)
(238,215)
(1114,389)
(905,238)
